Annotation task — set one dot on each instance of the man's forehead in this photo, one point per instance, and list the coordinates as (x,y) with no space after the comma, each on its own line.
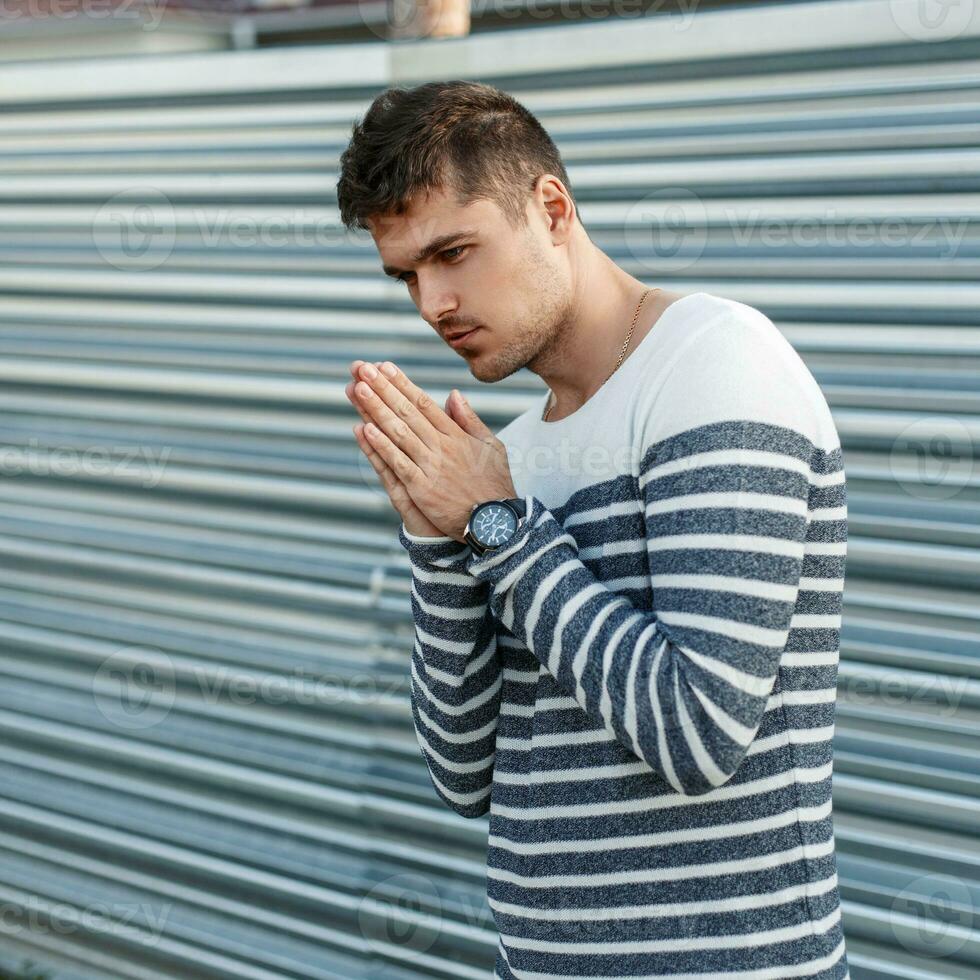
(423,220)
(407,233)
(406,240)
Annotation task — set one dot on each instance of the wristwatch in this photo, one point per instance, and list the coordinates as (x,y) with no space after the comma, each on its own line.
(493,523)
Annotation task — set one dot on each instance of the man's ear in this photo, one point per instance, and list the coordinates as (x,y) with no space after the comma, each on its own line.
(557,207)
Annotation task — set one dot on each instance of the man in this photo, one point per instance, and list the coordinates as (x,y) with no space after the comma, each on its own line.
(628,602)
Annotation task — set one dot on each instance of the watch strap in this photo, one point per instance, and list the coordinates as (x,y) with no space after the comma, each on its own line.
(519,504)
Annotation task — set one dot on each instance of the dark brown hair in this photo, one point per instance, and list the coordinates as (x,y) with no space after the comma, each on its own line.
(463,136)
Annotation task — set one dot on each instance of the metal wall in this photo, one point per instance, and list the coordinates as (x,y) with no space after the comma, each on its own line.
(207,766)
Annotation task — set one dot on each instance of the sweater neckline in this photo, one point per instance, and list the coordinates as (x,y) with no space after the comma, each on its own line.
(602,391)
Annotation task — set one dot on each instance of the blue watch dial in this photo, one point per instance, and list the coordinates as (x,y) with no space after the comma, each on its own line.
(493,525)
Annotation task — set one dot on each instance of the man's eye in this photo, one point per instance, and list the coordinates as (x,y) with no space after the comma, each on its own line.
(448,253)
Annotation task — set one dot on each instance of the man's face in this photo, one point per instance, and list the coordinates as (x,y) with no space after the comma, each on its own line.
(509,283)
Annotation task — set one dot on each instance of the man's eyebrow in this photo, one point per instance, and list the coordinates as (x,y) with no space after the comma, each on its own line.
(436,245)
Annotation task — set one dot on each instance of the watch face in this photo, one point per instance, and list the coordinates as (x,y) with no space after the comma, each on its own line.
(493,525)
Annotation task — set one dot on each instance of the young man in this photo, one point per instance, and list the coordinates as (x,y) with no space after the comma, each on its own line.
(628,601)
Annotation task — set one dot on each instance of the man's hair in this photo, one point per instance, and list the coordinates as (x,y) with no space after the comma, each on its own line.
(465,137)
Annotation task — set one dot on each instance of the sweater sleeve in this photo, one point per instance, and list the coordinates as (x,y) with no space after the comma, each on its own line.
(723,480)
(456,672)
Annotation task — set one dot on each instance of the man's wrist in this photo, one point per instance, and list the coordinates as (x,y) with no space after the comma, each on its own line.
(516,505)
(442,551)
(542,536)
(424,538)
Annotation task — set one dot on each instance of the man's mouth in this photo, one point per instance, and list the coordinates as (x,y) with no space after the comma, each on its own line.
(454,340)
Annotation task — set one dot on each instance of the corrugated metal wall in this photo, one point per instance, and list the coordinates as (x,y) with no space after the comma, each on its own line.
(208,768)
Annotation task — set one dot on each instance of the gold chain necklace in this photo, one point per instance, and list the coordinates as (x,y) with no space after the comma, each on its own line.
(629,336)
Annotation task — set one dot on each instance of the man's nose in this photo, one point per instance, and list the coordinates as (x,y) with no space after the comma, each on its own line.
(435,298)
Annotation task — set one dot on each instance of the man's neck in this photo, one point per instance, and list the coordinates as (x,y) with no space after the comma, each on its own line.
(588,348)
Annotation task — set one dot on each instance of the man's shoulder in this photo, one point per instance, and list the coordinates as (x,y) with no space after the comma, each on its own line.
(688,321)
(727,310)
(736,364)
(728,326)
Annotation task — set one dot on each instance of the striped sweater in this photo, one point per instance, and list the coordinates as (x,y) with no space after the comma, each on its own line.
(639,688)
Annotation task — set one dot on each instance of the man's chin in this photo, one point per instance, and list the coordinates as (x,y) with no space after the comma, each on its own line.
(482,372)
(489,372)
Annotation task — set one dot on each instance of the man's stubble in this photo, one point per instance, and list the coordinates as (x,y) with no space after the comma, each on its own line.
(540,335)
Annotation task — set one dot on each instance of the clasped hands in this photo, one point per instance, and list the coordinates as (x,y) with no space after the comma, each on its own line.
(434,464)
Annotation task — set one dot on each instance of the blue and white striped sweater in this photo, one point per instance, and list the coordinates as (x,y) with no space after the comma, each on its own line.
(640,687)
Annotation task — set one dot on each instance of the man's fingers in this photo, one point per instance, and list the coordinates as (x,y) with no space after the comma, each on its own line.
(401,463)
(356,402)
(356,364)
(399,424)
(380,466)
(389,481)
(393,486)
(394,380)
(426,405)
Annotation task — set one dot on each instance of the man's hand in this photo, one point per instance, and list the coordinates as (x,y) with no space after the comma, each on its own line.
(415,521)
(445,467)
